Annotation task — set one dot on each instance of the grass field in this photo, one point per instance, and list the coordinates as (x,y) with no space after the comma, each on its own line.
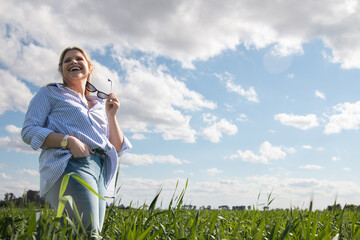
(175,223)
(147,222)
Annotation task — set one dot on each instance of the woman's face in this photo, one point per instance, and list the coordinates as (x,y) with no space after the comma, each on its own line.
(74,66)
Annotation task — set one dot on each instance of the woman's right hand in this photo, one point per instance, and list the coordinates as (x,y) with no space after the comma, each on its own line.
(77,148)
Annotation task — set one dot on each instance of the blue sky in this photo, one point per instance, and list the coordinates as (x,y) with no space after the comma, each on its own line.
(238,97)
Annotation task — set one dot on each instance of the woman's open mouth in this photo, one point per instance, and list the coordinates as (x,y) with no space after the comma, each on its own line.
(73,69)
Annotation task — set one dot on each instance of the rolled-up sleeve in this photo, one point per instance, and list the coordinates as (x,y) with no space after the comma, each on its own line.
(34,131)
(126,145)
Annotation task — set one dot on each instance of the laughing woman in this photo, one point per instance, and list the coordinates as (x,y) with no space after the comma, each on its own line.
(77,132)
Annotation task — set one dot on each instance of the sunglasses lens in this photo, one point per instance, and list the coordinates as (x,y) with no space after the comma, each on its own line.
(102,95)
(90,87)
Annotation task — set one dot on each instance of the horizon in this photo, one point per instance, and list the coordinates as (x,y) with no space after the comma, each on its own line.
(261,206)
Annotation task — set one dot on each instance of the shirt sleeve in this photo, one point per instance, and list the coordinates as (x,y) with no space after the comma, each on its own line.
(34,131)
(126,145)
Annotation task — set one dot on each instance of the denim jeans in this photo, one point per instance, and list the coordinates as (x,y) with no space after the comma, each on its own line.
(91,169)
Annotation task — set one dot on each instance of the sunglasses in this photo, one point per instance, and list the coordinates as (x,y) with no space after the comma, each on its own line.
(100,94)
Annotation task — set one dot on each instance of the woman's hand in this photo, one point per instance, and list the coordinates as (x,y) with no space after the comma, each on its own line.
(112,105)
(77,148)
(115,134)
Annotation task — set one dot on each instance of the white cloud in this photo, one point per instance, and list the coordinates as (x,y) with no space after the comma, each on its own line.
(311,167)
(290,150)
(226,127)
(30,172)
(289,192)
(179,171)
(249,156)
(152,99)
(215,132)
(298,189)
(278,59)
(242,117)
(319,94)
(346,117)
(271,152)
(212,134)
(100,77)
(209,118)
(229,108)
(335,158)
(187,31)
(267,152)
(5,176)
(14,141)
(287,47)
(14,94)
(143,190)
(31,65)
(307,147)
(249,94)
(213,171)
(347,169)
(130,159)
(302,122)
(138,136)
(16,185)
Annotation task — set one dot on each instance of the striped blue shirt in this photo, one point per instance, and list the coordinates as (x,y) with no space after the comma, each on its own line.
(57,109)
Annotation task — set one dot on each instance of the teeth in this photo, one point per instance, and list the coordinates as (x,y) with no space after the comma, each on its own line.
(74,69)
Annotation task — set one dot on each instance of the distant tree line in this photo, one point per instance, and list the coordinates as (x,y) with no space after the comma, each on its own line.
(29,197)
(351,207)
(33,197)
(222,207)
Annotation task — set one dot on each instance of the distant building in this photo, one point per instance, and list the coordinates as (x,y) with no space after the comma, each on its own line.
(188,207)
(241,208)
(224,207)
(205,208)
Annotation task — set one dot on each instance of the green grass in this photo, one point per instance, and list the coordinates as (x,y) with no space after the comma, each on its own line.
(177,223)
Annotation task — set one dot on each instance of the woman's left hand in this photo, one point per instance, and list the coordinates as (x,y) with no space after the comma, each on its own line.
(112,105)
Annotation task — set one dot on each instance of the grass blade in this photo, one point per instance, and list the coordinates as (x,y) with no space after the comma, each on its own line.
(85,184)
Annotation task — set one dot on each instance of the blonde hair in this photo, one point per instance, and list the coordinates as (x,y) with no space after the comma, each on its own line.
(86,56)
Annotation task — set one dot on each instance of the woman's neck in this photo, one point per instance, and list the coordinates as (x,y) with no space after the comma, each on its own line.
(78,87)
